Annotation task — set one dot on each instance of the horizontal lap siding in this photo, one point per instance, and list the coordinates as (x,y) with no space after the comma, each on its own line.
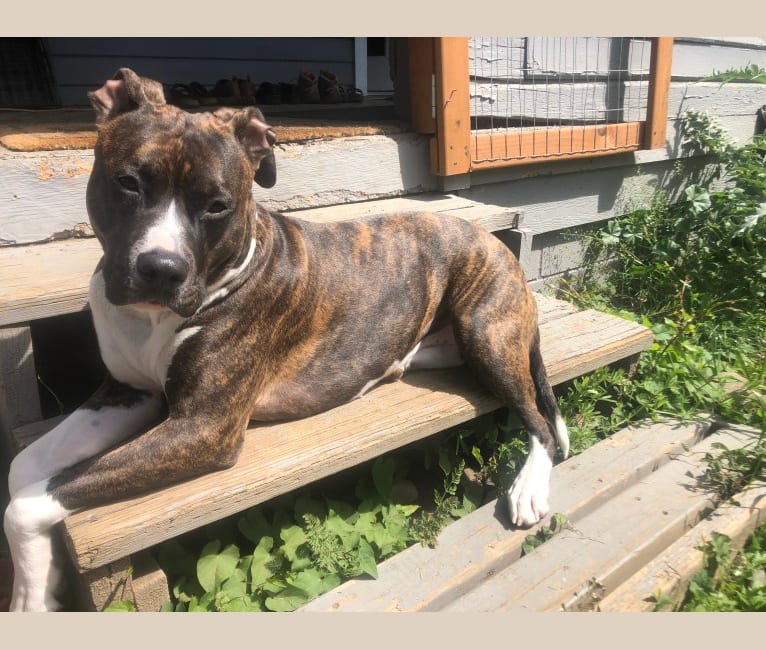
(82,64)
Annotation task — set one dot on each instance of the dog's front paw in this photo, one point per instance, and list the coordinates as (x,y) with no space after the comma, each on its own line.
(28,522)
(528,496)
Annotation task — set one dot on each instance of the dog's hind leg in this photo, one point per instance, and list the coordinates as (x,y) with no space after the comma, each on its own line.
(499,340)
(114,413)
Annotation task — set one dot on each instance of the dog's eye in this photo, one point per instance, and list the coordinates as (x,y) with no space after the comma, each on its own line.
(217,208)
(129,183)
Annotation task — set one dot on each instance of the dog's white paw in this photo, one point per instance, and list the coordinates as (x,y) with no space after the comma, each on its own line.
(28,522)
(528,496)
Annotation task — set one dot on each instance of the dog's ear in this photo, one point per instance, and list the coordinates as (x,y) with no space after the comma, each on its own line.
(257,139)
(125,91)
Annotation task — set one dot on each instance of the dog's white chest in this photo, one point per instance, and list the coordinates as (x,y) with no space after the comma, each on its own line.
(136,346)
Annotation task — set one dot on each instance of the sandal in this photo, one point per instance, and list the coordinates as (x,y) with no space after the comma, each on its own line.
(351,94)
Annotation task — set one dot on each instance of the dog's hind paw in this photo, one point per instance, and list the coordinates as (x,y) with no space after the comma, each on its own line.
(528,496)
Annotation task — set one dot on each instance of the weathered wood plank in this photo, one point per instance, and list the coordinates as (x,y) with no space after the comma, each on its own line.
(483,543)
(280,457)
(44,193)
(671,571)
(51,279)
(578,566)
(548,309)
(19,397)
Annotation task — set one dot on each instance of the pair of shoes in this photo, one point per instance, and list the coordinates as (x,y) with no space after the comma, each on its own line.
(308,88)
(235,92)
(325,89)
(191,95)
(329,88)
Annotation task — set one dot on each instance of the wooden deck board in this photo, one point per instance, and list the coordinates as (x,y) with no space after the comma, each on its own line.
(50,279)
(482,544)
(670,572)
(627,498)
(572,571)
(280,457)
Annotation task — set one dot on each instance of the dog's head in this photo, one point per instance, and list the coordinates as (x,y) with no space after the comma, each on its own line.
(170,193)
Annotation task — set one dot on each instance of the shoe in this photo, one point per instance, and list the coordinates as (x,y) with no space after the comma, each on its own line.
(290,93)
(226,92)
(247,91)
(181,95)
(308,90)
(268,93)
(202,94)
(329,90)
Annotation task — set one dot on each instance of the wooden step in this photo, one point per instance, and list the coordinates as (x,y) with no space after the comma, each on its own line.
(627,499)
(50,279)
(670,572)
(281,457)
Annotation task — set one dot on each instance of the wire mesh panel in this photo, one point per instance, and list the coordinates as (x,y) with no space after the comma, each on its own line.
(538,98)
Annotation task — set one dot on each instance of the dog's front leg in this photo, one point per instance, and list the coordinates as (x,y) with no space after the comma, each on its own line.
(176,449)
(112,414)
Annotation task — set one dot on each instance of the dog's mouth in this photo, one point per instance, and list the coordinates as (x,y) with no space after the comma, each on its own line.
(149,306)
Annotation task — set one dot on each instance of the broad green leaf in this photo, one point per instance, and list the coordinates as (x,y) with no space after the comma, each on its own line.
(292,537)
(214,566)
(307,505)
(253,525)
(367,563)
(259,567)
(314,582)
(383,476)
(236,585)
(287,600)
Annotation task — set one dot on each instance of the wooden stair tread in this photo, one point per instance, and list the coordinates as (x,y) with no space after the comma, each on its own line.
(51,279)
(626,498)
(277,458)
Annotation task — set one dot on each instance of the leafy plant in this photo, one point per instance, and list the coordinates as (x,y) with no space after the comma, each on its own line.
(750,73)
(558,522)
(730,582)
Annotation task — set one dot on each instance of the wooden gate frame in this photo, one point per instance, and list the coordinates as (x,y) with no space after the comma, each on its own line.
(440,106)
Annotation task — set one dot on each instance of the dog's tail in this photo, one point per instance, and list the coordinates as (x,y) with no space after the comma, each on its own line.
(546,400)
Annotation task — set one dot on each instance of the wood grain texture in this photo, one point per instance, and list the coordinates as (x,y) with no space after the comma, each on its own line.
(670,572)
(522,146)
(483,543)
(51,279)
(453,118)
(19,397)
(657,107)
(280,457)
(574,569)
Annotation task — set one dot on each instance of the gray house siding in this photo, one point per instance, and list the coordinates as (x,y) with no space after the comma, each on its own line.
(82,64)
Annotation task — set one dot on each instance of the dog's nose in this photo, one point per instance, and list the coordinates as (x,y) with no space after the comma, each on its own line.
(162,269)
